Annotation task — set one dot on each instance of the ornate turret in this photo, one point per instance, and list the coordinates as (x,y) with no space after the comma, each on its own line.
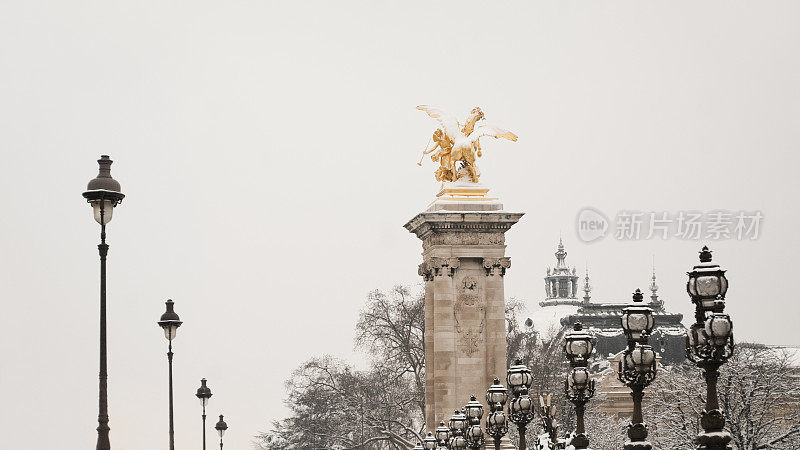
(654,300)
(587,288)
(561,282)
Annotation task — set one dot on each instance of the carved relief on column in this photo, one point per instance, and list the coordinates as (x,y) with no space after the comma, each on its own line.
(436,266)
(470,314)
(496,266)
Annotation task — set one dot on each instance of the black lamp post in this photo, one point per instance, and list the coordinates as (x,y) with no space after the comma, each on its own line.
(579,387)
(521,408)
(104,194)
(419,446)
(458,427)
(221,426)
(638,366)
(474,412)
(496,423)
(709,344)
(170,323)
(204,393)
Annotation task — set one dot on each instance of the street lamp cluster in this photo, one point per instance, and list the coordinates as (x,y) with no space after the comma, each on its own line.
(709,344)
(104,194)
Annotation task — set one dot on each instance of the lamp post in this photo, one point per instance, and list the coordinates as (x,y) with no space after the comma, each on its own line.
(170,323)
(579,387)
(474,412)
(709,344)
(521,408)
(496,423)
(458,427)
(221,426)
(637,369)
(204,393)
(104,194)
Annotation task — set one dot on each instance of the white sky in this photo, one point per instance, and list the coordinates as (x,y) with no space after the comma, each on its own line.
(268,151)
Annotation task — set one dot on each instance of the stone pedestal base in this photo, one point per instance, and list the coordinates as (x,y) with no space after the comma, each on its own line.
(464,196)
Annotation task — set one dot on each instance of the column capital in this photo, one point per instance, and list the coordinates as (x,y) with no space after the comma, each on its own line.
(496,266)
(435,266)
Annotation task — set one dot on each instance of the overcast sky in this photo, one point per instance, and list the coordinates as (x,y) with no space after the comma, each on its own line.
(268,153)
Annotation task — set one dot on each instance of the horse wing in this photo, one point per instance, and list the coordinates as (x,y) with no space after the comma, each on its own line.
(488,130)
(448,122)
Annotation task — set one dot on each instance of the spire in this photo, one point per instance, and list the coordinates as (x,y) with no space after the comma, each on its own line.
(587,288)
(653,285)
(561,255)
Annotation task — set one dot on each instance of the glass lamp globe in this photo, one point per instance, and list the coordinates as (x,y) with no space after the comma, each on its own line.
(497,394)
(442,433)
(473,410)
(718,328)
(104,209)
(707,282)
(458,422)
(475,432)
(429,443)
(579,378)
(642,358)
(637,319)
(519,377)
(458,443)
(496,419)
(522,405)
(578,343)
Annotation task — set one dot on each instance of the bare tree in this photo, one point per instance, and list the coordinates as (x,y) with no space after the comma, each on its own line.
(334,406)
(759,390)
(391,328)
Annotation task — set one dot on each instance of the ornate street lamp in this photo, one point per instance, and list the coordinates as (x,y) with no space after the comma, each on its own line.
(637,369)
(709,344)
(204,393)
(221,426)
(170,323)
(430,442)
(419,446)
(104,194)
(496,423)
(442,435)
(458,427)
(521,407)
(474,412)
(579,387)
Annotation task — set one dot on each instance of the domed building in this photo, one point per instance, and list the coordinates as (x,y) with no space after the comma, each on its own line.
(562,308)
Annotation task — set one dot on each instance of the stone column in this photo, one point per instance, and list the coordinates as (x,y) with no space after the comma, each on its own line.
(463,267)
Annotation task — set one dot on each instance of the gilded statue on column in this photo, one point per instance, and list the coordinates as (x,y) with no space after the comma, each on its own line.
(456,147)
